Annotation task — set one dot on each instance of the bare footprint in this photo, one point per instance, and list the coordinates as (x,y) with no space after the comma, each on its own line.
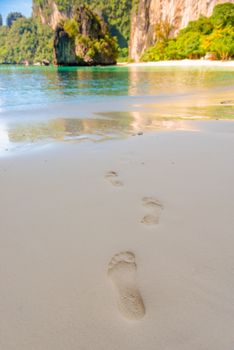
(156,205)
(112,177)
(111,174)
(150,220)
(122,272)
(151,202)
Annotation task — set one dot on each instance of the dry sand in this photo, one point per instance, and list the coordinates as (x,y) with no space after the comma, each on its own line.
(163,202)
(181,63)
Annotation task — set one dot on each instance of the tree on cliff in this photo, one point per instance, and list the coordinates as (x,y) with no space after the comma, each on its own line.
(26,40)
(213,35)
(223,15)
(13,16)
(84,40)
(163,30)
(1,21)
(116,13)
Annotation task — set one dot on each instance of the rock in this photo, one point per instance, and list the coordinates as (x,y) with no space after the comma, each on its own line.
(45,63)
(210,56)
(64,48)
(25,62)
(83,40)
(48,12)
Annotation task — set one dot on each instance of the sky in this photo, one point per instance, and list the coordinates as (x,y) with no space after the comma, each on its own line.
(23,6)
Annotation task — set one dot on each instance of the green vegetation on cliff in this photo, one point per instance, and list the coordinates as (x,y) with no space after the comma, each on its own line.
(213,35)
(12,17)
(84,39)
(116,13)
(26,40)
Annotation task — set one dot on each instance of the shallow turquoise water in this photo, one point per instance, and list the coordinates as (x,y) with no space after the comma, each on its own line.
(26,87)
(44,103)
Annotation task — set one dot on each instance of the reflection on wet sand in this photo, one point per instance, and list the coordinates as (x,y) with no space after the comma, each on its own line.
(67,129)
(211,105)
(191,112)
(150,121)
(108,126)
(175,115)
(147,121)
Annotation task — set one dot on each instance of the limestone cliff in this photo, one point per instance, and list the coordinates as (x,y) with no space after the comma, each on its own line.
(83,40)
(48,12)
(81,36)
(64,48)
(116,14)
(177,12)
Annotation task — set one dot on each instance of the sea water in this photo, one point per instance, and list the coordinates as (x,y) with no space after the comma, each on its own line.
(98,103)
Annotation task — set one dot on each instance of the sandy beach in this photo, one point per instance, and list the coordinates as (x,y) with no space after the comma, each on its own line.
(182,63)
(162,201)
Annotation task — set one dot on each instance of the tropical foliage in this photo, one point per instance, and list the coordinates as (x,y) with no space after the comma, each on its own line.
(89,36)
(13,16)
(214,35)
(26,40)
(116,13)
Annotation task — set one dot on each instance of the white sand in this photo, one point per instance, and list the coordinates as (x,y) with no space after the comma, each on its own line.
(181,63)
(62,221)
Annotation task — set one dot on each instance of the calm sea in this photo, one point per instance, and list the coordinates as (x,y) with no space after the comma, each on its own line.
(48,103)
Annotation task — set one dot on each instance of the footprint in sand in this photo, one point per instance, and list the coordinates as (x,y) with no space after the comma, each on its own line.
(150,220)
(122,272)
(156,206)
(112,177)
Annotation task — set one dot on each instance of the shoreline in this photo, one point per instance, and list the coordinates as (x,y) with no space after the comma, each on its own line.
(169,63)
(180,63)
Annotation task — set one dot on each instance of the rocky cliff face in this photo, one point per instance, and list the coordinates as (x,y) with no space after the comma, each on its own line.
(177,12)
(116,13)
(81,37)
(48,12)
(83,40)
(64,48)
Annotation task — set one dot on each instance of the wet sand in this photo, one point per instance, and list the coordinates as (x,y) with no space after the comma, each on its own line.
(124,244)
